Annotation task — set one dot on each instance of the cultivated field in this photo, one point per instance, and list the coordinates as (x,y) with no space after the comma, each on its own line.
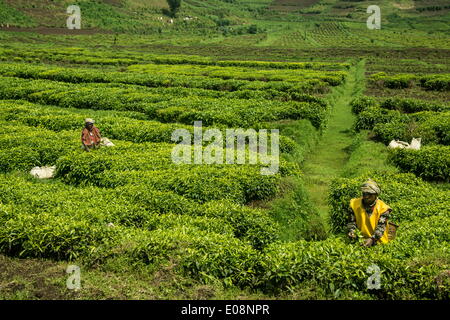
(143,227)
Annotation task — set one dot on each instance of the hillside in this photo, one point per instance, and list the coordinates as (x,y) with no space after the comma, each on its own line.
(275,23)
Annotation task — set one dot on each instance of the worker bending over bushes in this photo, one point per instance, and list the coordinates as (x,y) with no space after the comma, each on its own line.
(370,215)
(90,136)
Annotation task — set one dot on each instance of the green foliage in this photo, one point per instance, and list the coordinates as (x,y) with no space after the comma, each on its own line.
(155,169)
(432,127)
(370,117)
(140,207)
(411,105)
(103,57)
(388,120)
(296,214)
(14,17)
(22,148)
(366,156)
(131,202)
(439,82)
(188,76)
(436,82)
(174,6)
(399,81)
(362,103)
(337,265)
(114,125)
(429,163)
(410,197)
(237,109)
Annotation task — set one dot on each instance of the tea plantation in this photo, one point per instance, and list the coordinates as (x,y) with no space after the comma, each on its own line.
(144,227)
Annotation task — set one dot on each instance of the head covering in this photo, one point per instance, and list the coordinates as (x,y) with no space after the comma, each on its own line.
(370,186)
(89,120)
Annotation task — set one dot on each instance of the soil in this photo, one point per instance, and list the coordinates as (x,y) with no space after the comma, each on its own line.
(34,276)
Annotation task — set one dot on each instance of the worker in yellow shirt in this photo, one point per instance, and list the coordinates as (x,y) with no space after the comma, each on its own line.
(370,215)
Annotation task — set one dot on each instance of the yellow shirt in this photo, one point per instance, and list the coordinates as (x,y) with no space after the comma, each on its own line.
(367,224)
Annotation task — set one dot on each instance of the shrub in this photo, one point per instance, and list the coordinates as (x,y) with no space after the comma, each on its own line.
(411,105)
(362,103)
(436,82)
(429,163)
(398,81)
(369,118)
(408,196)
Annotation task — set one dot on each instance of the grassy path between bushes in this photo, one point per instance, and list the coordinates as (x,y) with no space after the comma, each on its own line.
(330,155)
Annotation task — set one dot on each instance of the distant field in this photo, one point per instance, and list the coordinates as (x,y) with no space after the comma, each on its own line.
(291,5)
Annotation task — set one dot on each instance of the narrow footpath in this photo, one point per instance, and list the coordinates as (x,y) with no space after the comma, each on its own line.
(329,156)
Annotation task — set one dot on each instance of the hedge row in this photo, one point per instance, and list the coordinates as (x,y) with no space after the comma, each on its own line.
(334,265)
(152,166)
(148,164)
(387,125)
(76,75)
(313,82)
(163,107)
(333,78)
(85,56)
(429,163)
(403,105)
(432,127)
(114,125)
(438,82)
(410,196)
(197,252)
(22,147)
(136,207)
(412,105)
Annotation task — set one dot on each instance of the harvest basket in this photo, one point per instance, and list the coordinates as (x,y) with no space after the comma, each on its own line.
(392,230)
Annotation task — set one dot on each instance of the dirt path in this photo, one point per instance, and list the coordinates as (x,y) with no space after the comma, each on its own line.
(329,157)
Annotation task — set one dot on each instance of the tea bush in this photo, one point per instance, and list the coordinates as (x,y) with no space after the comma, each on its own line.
(412,105)
(141,206)
(113,124)
(212,111)
(410,197)
(386,124)
(439,82)
(436,82)
(432,127)
(362,103)
(429,163)
(398,81)
(164,76)
(337,265)
(201,183)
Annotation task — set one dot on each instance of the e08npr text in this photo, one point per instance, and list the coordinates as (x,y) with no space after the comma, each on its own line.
(246,309)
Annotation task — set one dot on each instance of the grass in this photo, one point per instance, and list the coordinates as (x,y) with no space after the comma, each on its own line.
(32,279)
(36,279)
(366,156)
(330,155)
